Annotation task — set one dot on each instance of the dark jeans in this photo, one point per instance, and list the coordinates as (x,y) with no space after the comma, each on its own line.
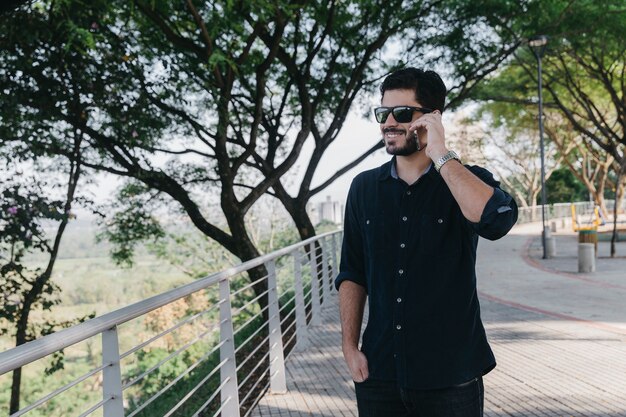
(386,399)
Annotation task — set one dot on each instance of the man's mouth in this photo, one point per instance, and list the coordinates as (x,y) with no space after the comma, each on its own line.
(392,134)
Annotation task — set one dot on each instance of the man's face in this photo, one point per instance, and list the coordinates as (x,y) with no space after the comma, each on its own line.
(398,140)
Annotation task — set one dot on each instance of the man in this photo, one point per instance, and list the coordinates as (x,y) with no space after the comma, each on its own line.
(410,234)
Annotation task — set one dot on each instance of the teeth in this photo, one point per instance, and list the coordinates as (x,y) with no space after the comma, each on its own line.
(393,134)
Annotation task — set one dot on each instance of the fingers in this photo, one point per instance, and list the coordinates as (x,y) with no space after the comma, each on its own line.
(364,374)
(426,120)
(430,130)
(358,368)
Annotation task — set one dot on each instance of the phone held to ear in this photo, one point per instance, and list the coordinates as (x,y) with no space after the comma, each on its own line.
(417,140)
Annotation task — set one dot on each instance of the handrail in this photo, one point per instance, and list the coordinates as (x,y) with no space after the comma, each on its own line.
(29,352)
(560,210)
(552,211)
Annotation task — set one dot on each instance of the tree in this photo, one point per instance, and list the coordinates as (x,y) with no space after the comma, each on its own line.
(182,99)
(586,161)
(564,187)
(506,136)
(24,208)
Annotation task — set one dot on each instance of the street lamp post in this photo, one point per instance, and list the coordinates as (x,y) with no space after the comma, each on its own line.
(537,44)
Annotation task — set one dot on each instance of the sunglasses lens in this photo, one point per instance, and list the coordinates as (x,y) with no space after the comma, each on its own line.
(381,114)
(403,114)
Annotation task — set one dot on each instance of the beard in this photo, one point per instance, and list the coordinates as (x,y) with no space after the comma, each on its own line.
(411,145)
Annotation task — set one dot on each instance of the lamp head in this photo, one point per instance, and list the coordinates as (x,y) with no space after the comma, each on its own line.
(538,45)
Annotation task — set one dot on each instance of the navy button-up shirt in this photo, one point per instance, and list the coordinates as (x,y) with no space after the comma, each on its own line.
(414,252)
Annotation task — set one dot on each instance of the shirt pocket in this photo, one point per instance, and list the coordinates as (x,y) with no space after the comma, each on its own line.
(375,234)
(440,236)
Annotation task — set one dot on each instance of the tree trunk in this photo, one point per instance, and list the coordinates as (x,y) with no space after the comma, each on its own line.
(246,250)
(618,183)
(297,210)
(33,295)
(16,383)
(39,286)
(619,193)
(598,198)
(535,205)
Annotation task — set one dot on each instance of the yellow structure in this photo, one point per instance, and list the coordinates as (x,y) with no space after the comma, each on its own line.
(588,231)
(595,220)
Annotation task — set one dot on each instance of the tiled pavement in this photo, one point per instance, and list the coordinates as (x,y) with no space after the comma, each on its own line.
(559,338)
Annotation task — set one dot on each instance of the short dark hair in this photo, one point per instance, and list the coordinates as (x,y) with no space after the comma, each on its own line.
(430,91)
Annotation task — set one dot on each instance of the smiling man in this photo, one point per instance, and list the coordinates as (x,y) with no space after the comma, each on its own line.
(411,230)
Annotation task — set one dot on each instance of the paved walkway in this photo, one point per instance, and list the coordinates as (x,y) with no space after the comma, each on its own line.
(559,338)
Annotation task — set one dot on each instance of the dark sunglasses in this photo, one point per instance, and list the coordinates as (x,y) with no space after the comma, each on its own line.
(402,114)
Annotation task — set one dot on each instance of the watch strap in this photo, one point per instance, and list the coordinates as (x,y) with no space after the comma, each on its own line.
(448,156)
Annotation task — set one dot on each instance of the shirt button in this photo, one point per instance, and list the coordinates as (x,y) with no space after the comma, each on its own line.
(367,222)
(439,221)
(402,245)
(408,192)
(399,327)
(399,300)
(404,219)
(401,271)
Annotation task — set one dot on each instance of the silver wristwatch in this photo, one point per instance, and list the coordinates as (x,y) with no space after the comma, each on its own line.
(447,157)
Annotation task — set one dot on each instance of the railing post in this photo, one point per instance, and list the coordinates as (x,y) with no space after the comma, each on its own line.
(316,318)
(112,375)
(278,384)
(335,264)
(325,274)
(228,372)
(302,331)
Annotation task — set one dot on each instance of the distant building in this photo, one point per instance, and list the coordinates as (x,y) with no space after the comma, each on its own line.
(326,210)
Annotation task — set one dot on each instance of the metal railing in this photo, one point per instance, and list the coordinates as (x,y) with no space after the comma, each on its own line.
(553,211)
(584,209)
(233,346)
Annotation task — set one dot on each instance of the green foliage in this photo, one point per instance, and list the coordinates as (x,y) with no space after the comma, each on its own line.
(583,78)
(326,226)
(23,209)
(130,224)
(563,187)
(193,253)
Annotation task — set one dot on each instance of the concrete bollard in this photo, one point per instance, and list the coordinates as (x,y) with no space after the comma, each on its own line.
(553,227)
(550,247)
(586,257)
(546,232)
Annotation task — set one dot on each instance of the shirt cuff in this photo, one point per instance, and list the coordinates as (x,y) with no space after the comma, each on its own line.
(347,276)
(498,203)
(499,216)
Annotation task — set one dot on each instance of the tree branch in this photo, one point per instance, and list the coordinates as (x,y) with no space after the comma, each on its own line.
(345,169)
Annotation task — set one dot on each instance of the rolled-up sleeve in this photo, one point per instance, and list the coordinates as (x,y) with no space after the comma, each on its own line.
(351,266)
(500,213)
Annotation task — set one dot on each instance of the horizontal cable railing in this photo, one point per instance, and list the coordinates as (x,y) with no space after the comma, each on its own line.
(555,211)
(217,357)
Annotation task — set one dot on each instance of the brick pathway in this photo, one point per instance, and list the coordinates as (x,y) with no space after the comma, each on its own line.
(559,339)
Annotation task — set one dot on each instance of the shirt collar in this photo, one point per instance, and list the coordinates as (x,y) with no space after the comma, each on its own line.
(389,170)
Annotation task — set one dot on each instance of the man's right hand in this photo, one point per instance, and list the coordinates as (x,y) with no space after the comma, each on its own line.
(357,363)
(352,298)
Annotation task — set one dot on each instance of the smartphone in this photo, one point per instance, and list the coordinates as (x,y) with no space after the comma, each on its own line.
(417,140)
